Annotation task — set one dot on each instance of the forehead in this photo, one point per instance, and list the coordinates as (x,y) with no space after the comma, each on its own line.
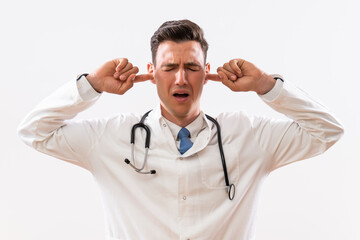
(173,52)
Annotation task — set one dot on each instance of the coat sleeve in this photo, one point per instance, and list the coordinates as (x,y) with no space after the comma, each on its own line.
(311,131)
(47,127)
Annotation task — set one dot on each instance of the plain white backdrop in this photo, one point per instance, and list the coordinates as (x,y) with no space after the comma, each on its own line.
(312,43)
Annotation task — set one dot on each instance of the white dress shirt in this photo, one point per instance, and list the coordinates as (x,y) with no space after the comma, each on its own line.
(186,198)
(195,127)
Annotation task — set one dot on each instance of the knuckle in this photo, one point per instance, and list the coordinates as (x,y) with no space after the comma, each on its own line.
(235,60)
(227,66)
(123,62)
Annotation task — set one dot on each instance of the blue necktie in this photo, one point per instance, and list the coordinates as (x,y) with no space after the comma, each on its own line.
(185,143)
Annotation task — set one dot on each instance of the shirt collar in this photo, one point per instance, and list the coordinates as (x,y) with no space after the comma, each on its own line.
(194,127)
(161,130)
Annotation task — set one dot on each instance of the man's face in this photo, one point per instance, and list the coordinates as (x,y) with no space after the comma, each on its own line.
(179,76)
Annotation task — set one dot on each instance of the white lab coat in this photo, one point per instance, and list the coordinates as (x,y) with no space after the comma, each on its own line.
(186,198)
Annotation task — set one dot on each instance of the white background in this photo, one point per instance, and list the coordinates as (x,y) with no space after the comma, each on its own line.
(312,43)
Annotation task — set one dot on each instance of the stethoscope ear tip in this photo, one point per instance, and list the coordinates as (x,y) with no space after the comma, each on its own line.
(126,161)
(152,171)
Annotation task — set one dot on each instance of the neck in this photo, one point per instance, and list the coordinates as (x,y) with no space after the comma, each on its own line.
(181,121)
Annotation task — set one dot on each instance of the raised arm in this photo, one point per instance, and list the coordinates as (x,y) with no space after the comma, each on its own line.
(313,128)
(47,127)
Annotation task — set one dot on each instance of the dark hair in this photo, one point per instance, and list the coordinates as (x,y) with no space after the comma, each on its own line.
(178,31)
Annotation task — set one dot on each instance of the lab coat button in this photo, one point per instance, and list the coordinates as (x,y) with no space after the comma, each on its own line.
(164,125)
(184,197)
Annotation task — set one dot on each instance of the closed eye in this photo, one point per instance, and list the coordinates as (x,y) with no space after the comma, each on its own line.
(194,69)
(168,69)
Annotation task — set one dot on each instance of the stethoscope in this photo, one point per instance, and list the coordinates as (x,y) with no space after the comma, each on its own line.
(230,187)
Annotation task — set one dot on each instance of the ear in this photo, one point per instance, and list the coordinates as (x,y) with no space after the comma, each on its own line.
(207,71)
(150,69)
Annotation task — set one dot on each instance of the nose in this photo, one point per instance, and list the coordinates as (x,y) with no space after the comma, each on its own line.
(181,77)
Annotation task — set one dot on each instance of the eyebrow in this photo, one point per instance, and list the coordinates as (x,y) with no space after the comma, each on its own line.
(176,64)
(169,65)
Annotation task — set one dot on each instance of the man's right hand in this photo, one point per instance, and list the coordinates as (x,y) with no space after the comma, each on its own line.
(116,76)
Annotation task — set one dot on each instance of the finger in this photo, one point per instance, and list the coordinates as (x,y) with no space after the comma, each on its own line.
(121,73)
(125,74)
(127,84)
(228,68)
(124,70)
(144,77)
(240,62)
(229,84)
(226,81)
(235,67)
(120,63)
(223,76)
(234,74)
(229,74)
(213,77)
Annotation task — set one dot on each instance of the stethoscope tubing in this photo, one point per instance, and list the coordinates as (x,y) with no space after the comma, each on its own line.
(230,187)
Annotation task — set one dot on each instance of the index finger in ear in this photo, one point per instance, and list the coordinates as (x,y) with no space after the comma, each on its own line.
(144,77)
(213,77)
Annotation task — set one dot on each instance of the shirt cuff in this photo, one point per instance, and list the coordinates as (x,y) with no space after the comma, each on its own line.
(86,91)
(275,91)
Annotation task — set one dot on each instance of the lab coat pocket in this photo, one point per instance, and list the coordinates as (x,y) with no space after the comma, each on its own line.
(212,171)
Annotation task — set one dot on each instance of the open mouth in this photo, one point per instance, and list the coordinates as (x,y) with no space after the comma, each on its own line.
(181,97)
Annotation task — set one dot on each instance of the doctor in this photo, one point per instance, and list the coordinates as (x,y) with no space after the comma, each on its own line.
(186,198)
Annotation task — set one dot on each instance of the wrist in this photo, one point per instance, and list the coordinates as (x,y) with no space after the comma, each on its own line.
(266,83)
(86,91)
(276,90)
(93,82)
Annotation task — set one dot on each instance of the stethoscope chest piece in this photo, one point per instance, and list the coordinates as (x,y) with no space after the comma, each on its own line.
(231,191)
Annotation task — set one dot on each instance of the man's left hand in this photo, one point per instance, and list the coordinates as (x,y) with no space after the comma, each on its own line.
(242,76)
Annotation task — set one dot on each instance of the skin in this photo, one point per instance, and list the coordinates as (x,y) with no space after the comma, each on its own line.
(180,75)
(180,69)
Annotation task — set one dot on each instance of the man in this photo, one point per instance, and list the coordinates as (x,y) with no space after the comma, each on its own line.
(185,196)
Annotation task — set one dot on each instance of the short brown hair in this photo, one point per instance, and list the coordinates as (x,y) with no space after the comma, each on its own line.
(178,31)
